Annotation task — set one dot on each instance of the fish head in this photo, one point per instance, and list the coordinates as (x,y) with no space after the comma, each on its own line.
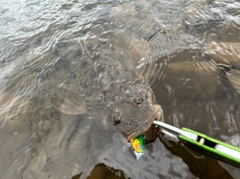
(133,109)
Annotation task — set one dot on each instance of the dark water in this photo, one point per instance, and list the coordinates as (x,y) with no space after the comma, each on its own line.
(57,56)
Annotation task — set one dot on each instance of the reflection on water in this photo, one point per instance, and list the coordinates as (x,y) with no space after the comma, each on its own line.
(102,171)
(206,167)
(70,71)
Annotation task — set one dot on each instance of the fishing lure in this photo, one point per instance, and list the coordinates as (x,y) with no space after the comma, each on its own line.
(138,146)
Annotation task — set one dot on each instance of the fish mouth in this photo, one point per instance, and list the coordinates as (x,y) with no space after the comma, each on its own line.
(156,115)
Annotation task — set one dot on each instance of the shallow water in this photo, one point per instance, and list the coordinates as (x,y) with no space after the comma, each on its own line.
(52,51)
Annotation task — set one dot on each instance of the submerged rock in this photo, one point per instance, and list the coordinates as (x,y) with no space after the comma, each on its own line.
(162,27)
(198,12)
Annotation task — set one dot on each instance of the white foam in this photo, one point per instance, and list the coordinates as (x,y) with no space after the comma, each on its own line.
(235,140)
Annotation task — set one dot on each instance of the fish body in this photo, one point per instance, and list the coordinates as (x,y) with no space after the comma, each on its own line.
(226,55)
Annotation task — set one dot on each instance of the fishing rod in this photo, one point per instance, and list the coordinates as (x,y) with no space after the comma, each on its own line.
(203,144)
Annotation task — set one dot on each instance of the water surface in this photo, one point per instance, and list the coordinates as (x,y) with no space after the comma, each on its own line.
(52,51)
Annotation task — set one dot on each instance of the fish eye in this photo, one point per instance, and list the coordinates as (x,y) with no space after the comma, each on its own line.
(116,119)
(138,101)
(130,123)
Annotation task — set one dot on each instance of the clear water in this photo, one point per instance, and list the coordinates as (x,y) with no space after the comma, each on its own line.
(52,51)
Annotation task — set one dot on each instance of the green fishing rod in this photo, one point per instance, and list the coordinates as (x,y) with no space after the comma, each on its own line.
(204,144)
